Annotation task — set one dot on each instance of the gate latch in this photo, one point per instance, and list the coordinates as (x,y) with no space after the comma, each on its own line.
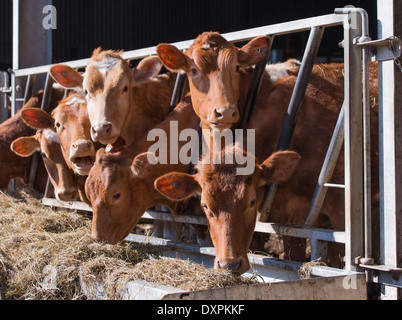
(384,49)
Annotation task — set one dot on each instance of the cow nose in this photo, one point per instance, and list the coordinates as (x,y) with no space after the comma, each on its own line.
(228,114)
(66,195)
(82,144)
(230,265)
(101,129)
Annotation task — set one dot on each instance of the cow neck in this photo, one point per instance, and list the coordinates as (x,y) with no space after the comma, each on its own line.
(150,105)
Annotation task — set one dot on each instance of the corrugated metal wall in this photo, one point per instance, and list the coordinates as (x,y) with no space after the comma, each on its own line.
(6,34)
(132,24)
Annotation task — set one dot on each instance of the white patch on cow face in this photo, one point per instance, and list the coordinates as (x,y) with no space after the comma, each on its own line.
(51,135)
(106,64)
(75,100)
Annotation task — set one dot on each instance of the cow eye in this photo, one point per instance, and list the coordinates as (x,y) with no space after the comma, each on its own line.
(193,71)
(252,203)
(86,92)
(204,207)
(237,68)
(116,196)
(58,125)
(44,156)
(125,89)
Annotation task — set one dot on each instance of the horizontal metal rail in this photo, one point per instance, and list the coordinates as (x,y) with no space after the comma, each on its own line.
(237,36)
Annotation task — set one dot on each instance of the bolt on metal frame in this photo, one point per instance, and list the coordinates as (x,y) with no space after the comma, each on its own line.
(349,130)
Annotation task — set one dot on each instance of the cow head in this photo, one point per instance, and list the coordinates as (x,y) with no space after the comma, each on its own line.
(107,84)
(213,66)
(71,123)
(118,190)
(60,175)
(230,201)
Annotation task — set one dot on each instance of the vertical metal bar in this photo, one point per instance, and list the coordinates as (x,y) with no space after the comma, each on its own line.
(255,85)
(178,90)
(328,167)
(367,260)
(353,144)
(390,138)
(29,87)
(47,94)
(4,102)
(299,91)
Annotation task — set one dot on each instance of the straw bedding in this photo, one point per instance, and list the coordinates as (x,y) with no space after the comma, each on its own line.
(45,254)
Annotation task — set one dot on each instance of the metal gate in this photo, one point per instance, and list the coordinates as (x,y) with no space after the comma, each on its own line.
(352,129)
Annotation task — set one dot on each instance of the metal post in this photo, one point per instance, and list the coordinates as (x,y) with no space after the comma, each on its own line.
(299,90)
(390,113)
(353,143)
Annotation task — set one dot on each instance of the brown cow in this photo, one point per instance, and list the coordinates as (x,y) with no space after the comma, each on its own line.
(71,123)
(122,103)
(61,176)
(230,201)
(13,166)
(316,121)
(120,189)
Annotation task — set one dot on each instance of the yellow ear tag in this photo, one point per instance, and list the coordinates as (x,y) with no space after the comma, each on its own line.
(170,58)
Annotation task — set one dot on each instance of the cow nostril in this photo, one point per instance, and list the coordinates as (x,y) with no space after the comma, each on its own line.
(218,115)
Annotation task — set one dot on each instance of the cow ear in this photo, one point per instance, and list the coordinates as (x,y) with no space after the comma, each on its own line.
(143,163)
(177,185)
(171,57)
(37,118)
(279,167)
(255,51)
(66,76)
(148,68)
(25,146)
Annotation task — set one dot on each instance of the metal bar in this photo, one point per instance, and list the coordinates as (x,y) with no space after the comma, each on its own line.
(276,29)
(390,137)
(254,88)
(178,90)
(365,37)
(353,144)
(4,102)
(29,88)
(255,259)
(328,167)
(264,227)
(47,94)
(296,100)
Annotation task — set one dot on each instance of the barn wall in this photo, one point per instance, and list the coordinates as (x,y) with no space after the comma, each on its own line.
(132,24)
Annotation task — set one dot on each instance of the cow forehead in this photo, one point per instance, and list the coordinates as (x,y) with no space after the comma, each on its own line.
(211,51)
(95,80)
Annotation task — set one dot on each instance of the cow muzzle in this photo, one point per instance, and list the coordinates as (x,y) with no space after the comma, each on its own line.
(103,132)
(82,156)
(223,117)
(237,266)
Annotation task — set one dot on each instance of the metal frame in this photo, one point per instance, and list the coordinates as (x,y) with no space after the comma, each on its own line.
(350,129)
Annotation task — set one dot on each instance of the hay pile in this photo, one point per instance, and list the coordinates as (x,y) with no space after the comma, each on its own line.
(45,254)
